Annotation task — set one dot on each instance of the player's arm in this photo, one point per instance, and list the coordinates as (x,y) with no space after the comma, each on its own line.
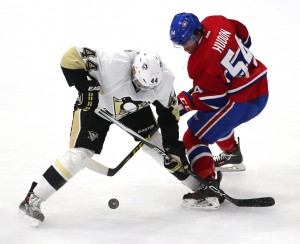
(191,101)
(76,74)
(199,100)
(242,32)
(168,122)
(73,67)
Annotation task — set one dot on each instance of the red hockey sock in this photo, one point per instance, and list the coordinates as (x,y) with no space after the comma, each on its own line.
(227,143)
(204,167)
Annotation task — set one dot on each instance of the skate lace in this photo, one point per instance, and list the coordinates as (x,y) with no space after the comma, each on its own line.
(198,192)
(35,203)
(221,157)
(202,193)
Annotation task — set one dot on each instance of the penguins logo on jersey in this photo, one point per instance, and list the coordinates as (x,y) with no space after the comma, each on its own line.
(93,135)
(126,105)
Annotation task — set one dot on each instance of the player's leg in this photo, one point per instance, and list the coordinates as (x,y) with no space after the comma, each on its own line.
(142,122)
(87,137)
(202,164)
(231,158)
(204,129)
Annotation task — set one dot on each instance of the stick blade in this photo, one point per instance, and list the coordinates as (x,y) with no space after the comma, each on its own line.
(95,166)
(254,202)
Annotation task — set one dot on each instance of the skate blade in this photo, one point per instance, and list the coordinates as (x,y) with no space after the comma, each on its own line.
(231,168)
(210,203)
(32,221)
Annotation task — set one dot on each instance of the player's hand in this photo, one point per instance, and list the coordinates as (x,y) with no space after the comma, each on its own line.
(178,164)
(185,102)
(88,94)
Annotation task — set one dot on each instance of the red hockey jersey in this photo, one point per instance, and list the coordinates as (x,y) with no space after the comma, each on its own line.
(223,68)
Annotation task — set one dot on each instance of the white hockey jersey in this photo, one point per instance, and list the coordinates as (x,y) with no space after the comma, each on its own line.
(117,93)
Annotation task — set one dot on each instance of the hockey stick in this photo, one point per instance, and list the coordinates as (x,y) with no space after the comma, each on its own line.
(102,169)
(252,202)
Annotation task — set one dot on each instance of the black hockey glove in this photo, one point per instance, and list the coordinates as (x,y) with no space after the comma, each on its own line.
(178,164)
(88,94)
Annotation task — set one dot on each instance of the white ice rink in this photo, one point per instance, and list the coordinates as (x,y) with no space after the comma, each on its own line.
(36,113)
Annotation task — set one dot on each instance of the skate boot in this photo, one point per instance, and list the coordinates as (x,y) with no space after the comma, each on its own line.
(230,161)
(31,206)
(205,198)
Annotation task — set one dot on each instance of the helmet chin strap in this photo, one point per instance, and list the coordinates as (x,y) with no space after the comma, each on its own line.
(134,86)
(199,39)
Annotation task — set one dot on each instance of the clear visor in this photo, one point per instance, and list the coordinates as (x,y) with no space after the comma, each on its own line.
(139,85)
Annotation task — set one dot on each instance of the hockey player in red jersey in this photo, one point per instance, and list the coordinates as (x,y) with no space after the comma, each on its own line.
(229,88)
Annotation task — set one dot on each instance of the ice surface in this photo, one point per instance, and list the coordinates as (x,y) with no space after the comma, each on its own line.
(36,112)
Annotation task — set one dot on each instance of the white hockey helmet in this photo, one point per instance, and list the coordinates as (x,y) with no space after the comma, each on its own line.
(147,70)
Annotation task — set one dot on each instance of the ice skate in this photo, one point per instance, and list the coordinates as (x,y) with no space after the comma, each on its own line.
(30,208)
(230,161)
(204,198)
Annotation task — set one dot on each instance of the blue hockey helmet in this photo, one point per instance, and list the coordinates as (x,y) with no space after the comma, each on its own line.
(183,27)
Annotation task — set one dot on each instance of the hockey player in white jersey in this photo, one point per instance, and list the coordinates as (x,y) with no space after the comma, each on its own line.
(125,83)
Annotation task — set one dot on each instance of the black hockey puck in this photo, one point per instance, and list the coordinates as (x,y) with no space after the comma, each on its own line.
(113,203)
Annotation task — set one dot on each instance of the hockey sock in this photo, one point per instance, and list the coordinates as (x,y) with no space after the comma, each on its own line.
(204,167)
(227,143)
(199,155)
